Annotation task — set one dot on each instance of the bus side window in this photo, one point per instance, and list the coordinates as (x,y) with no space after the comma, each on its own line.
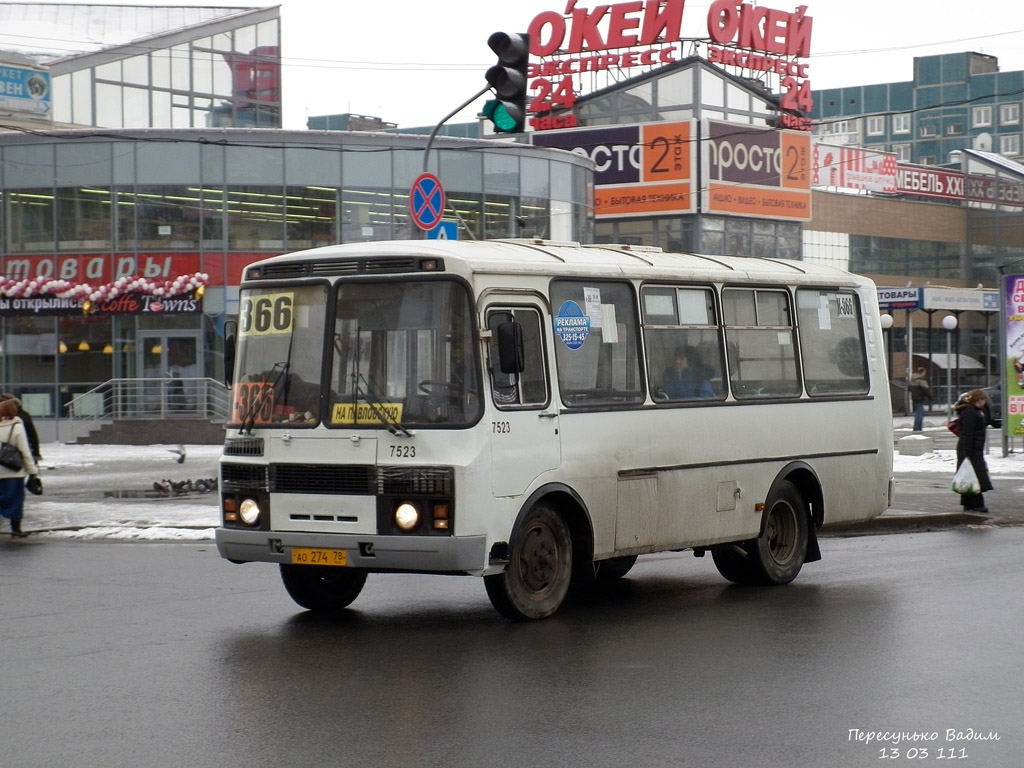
(684,350)
(526,388)
(831,342)
(761,343)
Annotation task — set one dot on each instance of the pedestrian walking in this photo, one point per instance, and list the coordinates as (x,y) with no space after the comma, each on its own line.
(920,394)
(30,427)
(970,446)
(12,481)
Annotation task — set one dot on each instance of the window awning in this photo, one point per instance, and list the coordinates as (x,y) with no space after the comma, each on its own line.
(958,362)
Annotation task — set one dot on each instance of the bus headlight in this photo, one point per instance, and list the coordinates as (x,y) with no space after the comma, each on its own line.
(249,511)
(407,516)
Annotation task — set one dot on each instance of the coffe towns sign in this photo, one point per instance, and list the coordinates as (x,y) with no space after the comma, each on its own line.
(646,33)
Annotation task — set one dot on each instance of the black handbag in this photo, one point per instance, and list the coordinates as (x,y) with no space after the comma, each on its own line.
(34,485)
(10,456)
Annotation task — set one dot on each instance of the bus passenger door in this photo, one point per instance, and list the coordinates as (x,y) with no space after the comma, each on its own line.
(523,418)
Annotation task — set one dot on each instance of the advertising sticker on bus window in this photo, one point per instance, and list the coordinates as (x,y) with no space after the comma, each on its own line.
(824,315)
(572,326)
(592,301)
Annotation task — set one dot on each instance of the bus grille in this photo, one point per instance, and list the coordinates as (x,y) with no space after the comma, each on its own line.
(418,480)
(243,477)
(320,478)
(243,446)
(348,480)
(332,267)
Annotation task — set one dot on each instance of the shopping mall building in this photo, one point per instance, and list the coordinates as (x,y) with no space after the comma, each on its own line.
(140,176)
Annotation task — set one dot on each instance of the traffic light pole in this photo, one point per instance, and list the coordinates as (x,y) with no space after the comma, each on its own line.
(446,118)
(433,135)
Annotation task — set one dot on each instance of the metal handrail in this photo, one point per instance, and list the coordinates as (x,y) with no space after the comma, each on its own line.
(152,398)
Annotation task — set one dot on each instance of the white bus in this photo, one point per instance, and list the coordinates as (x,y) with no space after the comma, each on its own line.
(540,414)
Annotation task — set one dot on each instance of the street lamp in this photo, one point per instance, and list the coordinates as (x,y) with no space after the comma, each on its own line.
(886,321)
(949,323)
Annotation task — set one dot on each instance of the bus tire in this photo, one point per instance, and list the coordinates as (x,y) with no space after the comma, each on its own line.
(322,588)
(614,567)
(777,555)
(734,563)
(536,579)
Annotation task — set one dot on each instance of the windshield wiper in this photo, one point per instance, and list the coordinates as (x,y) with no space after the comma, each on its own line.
(393,425)
(373,399)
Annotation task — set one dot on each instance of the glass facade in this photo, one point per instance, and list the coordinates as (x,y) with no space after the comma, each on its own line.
(231,78)
(690,89)
(875,255)
(995,215)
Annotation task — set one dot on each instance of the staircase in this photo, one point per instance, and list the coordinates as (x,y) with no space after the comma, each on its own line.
(152,412)
(154,432)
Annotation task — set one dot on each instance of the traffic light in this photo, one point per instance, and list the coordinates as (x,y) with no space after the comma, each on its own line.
(508,79)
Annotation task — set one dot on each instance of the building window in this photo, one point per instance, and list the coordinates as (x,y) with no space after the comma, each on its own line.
(929,130)
(927,160)
(955,129)
(840,126)
(84,218)
(255,220)
(901,123)
(876,125)
(981,116)
(30,222)
(1009,145)
(1009,114)
(902,152)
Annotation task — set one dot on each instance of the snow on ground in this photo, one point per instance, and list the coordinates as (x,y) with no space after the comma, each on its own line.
(106,491)
(945,461)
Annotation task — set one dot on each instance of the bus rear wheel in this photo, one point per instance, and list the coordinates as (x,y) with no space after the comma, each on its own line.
(775,557)
(614,567)
(322,588)
(536,579)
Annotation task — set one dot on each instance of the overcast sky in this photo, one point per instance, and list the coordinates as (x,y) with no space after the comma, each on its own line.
(412,61)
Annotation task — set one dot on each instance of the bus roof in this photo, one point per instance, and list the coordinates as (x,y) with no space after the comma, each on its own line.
(527,256)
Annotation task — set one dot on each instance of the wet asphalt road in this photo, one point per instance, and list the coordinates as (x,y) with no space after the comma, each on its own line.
(157,655)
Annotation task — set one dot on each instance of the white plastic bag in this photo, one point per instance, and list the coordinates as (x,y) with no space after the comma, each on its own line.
(965,481)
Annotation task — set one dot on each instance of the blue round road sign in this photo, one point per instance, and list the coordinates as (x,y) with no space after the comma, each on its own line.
(426,201)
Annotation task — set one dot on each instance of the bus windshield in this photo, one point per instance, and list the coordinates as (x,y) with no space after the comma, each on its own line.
(403,355)
(280,349)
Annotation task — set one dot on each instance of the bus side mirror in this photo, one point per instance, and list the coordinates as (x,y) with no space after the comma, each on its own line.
(230,329)
(510,347)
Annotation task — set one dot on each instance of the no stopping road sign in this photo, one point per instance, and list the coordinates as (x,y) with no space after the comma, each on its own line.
(426,201)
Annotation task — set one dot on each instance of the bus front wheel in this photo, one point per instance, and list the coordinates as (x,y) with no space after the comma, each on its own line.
(776,556)
(536,579)
(323,588)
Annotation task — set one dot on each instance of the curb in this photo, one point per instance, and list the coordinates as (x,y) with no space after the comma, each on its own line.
(892,523)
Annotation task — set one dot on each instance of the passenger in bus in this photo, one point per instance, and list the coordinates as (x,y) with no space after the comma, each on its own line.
(687,377)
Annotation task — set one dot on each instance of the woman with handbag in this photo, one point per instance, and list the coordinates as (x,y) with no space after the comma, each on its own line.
(15,462)
(970,446)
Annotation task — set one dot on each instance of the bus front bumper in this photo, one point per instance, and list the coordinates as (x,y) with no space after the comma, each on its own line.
(417,554)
